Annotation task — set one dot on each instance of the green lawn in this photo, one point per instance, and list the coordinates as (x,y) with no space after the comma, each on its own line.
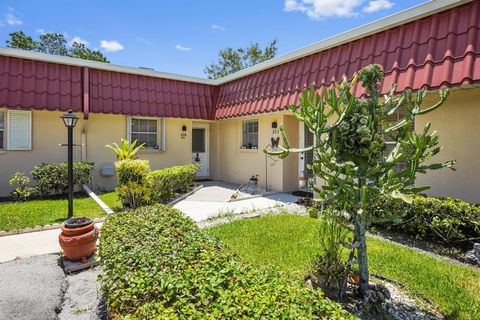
(16,216)
(288,242)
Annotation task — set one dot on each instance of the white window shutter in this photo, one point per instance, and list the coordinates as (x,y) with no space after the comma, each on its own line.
(19,128)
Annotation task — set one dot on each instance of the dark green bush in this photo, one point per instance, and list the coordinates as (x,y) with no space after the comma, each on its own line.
(53,177)
(134,182)
(443,219)
(157,264)
(166,182)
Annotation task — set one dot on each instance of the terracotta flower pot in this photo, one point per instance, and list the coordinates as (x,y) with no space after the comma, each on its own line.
(355,279)
(78,240)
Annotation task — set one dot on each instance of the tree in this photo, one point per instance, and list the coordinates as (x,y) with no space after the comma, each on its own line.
(54,43)
(232,60)
(350,151)
(79,50)
(20,40)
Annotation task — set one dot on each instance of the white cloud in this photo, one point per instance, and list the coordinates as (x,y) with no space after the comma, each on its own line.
(40,30)
(78,40)
(216,27)
(182,48)
(11,18)
(111,46)
(377,5)
(319,9)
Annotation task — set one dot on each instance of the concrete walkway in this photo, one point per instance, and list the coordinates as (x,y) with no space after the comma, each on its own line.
(210,201)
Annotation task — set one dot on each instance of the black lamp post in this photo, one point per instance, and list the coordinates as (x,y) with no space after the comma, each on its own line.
(70,121)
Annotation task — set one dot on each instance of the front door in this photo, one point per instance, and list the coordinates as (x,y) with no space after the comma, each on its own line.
(200,148)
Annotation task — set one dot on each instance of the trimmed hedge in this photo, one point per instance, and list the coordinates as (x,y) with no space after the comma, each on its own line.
(157,264)
(166,182)
(443,219)
(134,183)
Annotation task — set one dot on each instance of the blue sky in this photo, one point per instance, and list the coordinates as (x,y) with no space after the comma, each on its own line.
(183,36)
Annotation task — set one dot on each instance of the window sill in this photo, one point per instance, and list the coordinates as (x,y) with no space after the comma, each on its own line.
(248,150)
(147,151)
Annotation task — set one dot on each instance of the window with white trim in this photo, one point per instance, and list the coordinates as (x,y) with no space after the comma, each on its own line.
(2,130)
(19,130)
(146,130)
(250,134)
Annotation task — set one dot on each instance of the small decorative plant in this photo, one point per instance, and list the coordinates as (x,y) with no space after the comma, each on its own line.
(126,150)
(330,270)
(23,191)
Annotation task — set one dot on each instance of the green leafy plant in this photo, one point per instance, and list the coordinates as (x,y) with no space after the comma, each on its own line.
(23,191)
(329,266)
(448,220)
(134,182)
(168,268)
(53,177)
(166,182)
(350,153)
(126,150)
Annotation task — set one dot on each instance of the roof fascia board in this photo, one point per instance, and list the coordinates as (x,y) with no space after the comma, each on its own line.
(402,17)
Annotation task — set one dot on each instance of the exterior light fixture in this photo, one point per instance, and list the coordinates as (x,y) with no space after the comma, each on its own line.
(184,128)
(70,120)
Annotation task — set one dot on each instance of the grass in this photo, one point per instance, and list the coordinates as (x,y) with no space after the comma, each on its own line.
(288,242)
(21,215)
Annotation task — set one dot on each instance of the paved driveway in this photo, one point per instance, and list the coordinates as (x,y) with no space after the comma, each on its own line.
(31,288)
(212,200)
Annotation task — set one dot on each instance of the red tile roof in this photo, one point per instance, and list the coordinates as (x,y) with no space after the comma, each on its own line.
(39,85)
(32,84)
(442,49)
(439,50)
(122,93)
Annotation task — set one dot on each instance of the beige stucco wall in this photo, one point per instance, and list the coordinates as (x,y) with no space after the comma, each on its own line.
(48,132)
(238,165)
(457,123)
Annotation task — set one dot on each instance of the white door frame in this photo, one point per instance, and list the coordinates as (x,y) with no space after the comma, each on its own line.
(206,126)
(301,155)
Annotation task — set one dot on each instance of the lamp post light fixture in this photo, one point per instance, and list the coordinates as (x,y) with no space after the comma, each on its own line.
(70,121)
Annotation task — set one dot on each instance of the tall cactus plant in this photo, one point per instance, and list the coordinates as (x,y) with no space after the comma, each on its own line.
(350,152)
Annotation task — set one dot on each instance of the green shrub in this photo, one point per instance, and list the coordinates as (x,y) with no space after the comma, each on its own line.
(134,182)
(23,191)
(53,177)
(444,219)
(168,181)
(157,264)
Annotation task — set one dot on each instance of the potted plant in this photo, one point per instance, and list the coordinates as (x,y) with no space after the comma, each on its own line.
(78,238)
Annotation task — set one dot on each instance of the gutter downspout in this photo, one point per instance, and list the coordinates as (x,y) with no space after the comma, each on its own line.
(86,92)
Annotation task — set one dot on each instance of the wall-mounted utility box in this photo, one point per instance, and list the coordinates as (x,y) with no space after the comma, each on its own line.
(107,170)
